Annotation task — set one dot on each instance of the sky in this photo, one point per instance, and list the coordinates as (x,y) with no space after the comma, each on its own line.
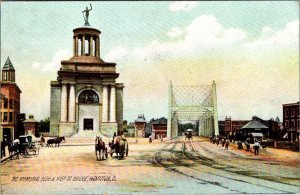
(250,49)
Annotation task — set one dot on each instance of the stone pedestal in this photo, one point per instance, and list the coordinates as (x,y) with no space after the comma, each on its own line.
(108,129)
(67,129)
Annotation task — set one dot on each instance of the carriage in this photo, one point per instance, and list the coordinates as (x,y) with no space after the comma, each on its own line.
(119,146)
(189,134)
(27,146)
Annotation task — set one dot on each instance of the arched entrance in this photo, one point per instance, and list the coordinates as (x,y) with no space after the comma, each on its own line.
(88,110)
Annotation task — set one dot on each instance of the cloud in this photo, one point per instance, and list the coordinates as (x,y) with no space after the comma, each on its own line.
(182,6)
(175,32)
(205,33)
(283,38)
(61,54)
(116,55)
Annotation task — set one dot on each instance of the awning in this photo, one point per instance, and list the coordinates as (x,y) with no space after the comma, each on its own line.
(257,134)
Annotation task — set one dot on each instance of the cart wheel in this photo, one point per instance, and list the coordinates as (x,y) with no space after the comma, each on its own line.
(127,149)
(26,151)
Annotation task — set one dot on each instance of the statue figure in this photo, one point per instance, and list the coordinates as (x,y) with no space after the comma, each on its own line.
(86,16)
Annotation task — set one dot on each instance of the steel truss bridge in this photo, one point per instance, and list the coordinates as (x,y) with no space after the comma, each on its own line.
(193,103)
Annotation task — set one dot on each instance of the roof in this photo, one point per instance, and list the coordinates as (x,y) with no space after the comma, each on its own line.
(141,118)
(8,65)
(162,120)
(257,134)
(31,119)
(254,124)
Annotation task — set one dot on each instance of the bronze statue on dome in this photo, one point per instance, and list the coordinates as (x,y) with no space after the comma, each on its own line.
(86,16)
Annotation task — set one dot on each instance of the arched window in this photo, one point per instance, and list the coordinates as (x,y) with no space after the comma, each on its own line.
(88,97)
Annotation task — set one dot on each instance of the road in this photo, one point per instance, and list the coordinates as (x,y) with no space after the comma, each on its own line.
(171,167)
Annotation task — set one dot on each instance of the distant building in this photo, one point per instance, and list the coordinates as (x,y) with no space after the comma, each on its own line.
(230,127)
(10,102)
(291,120)
(159,128)
(31,125)
(140,125)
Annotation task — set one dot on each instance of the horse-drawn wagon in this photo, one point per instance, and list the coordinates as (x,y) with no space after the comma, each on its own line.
(189,134)
(119,146)
(27,146)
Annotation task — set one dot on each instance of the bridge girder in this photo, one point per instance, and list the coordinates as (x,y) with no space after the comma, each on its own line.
(193,103)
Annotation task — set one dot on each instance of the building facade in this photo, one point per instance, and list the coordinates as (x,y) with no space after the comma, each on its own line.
(140,125)
(31,125)
(291,120)
(85,96)
(230,127)
(10,102)
(159,128)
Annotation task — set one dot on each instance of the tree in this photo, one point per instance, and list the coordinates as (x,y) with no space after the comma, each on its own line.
(44,125)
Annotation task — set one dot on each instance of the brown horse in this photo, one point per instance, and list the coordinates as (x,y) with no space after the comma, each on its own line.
(100,149)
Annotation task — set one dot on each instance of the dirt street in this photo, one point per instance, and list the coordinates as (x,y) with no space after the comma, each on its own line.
(175,166)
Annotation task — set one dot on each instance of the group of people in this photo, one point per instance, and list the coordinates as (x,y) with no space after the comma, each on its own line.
(220,140)
(247,143)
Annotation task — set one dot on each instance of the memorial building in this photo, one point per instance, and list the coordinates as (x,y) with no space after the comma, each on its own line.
(86,96)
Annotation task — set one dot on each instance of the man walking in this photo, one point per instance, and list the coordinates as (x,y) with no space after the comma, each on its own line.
(256,147)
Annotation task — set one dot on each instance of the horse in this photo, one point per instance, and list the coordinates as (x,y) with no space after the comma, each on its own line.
(100,149)
(56,141)
(13,148)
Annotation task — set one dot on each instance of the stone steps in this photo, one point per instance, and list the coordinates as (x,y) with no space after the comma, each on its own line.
(88,134)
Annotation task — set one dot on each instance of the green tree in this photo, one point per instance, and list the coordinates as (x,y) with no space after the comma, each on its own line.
(44,125)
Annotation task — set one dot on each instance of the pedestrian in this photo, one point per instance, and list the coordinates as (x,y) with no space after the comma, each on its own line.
(223,142)
(227,144)
(150,139)
(3,145)
(240,146)
(256,147)
(217,141)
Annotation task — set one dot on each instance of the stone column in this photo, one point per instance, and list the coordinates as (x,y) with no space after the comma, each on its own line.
(104,104)
(63,111)
(113,104)
(97,47)
(98,43)
(91,46)
(76,46)
(72,103)
(83,45)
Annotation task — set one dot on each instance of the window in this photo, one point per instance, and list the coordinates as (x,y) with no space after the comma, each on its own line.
(88,97)
(4,116)
(286,125)
(292,112)
(286,113)
(5,103)
(10,103)
(298,124)
(292,125)
(11,119)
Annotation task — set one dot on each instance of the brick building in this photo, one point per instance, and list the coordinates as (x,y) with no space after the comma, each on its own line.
(291,120)
(159,128)
(10,102)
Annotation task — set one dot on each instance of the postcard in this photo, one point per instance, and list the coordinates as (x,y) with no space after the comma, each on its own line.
(171,97)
